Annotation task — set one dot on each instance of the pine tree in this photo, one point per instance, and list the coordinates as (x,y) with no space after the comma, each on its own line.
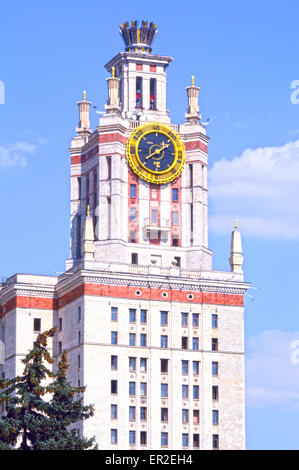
(22,401)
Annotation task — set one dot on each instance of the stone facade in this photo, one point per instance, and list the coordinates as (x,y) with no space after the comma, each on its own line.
(179,382)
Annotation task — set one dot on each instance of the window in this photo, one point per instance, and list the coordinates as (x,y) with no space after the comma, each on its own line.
(132,236)
(214,344)
(178,260)
(185,416)
(164,439)
(143,389)
(184,319)
(108,167)
(79,337)
(215,368)
(175,240)
(195,318)
(113,411)
(175,194)
(132,437)
(215,392)
(153,93)
(214,321)
(132,315)
(37,324)
(132,339)
(142,339)
(113,436)
(154,216)
(113,337)
(132,388)
(134,258)
(143,413)
(163,318)
(143,364)
(114,362)
(164,341)
(195,392)
(132,364)
(164,366)
(185,440)
(139,66)
(215,441)
(185,391)
(175,218)
(195,416)
(114,387)
(59,347)
(114,312)
(138,92)
(79,314)
(164,415)
(215,417)
(164,390)
(185,367)
(143,438)
(184,342)
(132,190)
(60,324)
(143,316)
(132,214)
(195,344)
(196,441)
(195,367)
(132,413)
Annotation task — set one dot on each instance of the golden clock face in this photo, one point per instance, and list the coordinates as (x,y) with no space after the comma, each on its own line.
(156,153)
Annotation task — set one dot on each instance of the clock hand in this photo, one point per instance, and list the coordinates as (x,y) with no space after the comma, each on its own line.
(157,151)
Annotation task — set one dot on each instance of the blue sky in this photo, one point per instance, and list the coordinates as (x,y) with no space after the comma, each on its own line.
(244,56)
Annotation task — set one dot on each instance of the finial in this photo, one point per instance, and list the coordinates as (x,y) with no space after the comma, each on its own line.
(84,95)
(113,72)
(236,223)
(88,210)
(192,80)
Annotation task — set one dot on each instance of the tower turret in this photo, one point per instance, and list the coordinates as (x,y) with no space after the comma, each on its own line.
(236,258)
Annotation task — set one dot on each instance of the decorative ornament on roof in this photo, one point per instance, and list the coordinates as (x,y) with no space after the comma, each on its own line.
(138,39)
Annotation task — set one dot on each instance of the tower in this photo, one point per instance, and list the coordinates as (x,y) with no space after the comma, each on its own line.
(150,328)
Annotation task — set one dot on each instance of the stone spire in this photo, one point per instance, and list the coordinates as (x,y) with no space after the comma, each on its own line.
(84,122)
(112,105)
(236,258)
(88,237)
(193,115)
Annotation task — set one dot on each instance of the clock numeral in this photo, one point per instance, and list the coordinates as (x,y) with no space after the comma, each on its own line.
(132,150)
(173,171)
(156,128)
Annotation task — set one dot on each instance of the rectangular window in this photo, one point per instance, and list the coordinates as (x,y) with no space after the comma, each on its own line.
(164,366)
(196,441)
(79,314)
(185,367)
(215,368)
(143,389)
(164,415)
(113,411)
(113,362)
(134,258)
(195,392)
(132,236)
(143,413)
(195,320)
(138,92)
(215,441)
(164,341)
(79,361)
(59,347)
(114,387)
(195,416)
(175,218)
(132,315)
(164,390)
(163,318)
(139,66)
(113,337)
(185,416)
(143,438)
(143,316)
(184,319)
(132,364)
(37,324)
(114,312)
(132,437)
(132,190)
(132,339)
(154,219)
(132,388)
(143,364)
(185,440)
(79,337)
(153,93)
(132,214)
(178,261)
(175,240)
(175,195)
(195,344)
(113,436)
(60,324)
(185,391)
(184,342)
(164,439)
(195,367)
(142,339)
(132,413)
(215,392)
(215,417)
(214,344)
(214,321)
